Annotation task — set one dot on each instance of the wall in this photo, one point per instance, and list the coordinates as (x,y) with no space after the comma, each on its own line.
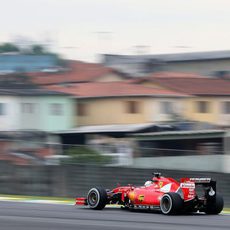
(111,111)
(114,111)
(215,115)
(192,114)
(41,118)
(10,120)
(76,180)
(212,163)
(29,120)
(207,68)
(57,122)
(189,110)
(221,118)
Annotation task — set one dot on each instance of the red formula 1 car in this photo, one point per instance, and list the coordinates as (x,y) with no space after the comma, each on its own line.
(165,194)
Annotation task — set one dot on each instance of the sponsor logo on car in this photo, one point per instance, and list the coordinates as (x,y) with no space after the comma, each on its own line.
(132,196)
(200,180)
(187,185)
(141,198)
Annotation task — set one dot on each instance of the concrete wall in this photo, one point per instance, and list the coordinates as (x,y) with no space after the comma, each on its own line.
(212,163)
(76,180)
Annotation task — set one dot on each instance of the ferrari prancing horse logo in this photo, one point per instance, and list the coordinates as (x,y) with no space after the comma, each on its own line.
(160,184)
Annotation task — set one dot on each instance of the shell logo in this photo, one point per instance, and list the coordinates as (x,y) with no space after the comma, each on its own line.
(141,198)
(132,196)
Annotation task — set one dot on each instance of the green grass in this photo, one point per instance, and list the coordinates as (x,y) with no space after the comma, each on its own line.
(227,210)
(64,199)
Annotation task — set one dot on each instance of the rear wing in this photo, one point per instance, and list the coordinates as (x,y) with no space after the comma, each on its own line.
(201,180)
(208,184)
(197,180)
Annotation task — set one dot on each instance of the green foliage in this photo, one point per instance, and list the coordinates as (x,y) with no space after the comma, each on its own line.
(38,49)
(33,49)
(85,155)
(8,47)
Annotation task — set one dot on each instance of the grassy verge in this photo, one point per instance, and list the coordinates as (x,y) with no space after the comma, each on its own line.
(24,197)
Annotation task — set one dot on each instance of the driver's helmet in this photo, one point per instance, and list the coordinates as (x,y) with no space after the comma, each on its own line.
(148,183)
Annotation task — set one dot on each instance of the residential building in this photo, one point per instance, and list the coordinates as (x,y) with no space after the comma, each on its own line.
(196,150)
(15,62)
(211,97)
(78,72)
(25,106)
(212,63)
(106,103)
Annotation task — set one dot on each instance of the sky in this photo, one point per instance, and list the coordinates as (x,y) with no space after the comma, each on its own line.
(84,29)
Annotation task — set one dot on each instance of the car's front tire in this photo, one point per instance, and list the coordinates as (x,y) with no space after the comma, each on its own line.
(97,198)
(171,203)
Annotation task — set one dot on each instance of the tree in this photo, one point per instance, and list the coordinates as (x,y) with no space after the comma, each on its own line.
(37,49)
(8,47)
(85,155)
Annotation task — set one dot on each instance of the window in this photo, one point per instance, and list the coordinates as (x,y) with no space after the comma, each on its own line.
(28,107)
(166,107)
(56,109)
(203,106)
(2,109)
(133,107)
(81,109)
(226,107)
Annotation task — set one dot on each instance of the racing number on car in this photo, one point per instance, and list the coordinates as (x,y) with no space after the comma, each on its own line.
(141,198)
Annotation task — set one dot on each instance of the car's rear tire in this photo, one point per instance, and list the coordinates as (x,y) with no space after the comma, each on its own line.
(215,207)
(97,198)
(171,203)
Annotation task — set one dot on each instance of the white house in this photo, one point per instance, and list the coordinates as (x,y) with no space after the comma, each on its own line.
(26,108)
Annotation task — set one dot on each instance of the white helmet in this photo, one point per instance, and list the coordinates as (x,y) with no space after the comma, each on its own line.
(148,182)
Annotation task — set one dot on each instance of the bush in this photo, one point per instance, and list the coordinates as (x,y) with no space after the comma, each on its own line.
(85,155)
(8,47)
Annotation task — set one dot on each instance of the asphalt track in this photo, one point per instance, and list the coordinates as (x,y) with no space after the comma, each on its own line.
(33,216)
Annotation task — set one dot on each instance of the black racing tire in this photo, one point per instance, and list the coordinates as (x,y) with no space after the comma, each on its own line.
(171,203)
(215,207)
(97,198)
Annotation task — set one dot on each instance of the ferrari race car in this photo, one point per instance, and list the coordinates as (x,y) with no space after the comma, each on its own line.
(162,193)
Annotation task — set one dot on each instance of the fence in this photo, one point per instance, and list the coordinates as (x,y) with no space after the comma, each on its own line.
(73,180)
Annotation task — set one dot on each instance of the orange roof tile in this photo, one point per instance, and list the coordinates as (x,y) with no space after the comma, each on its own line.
(197,85)
(112,89)
(78,72)
(164,75)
